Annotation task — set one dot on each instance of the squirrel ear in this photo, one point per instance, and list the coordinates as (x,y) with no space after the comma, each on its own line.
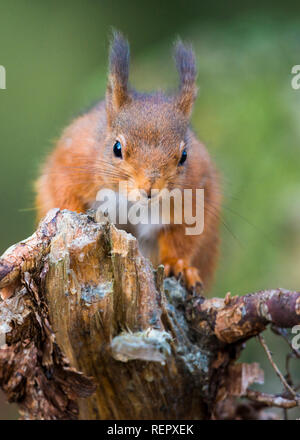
(186,66)
(117,87)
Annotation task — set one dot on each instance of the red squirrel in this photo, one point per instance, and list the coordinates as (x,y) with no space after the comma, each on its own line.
(145,140)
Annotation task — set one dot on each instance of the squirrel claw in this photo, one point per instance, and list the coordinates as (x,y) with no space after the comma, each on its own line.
(193,280)
(198,288)
(188,274)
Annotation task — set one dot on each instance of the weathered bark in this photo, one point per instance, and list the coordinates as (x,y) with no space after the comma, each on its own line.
(92,331)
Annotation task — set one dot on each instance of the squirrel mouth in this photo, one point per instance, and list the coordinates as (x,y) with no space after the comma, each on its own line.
(150,198)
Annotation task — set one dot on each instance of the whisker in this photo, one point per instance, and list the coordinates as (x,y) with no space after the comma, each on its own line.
(95,170)
(258,229)
(26,209)
(219,217)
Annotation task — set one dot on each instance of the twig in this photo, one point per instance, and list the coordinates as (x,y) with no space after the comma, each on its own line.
(277,371)
(288,375)
(240,318)
(272,400)
(283,332)
(293,354)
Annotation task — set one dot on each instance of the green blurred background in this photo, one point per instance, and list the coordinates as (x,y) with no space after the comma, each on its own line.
(55,55)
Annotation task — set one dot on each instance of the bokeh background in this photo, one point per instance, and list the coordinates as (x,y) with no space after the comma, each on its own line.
(55,55)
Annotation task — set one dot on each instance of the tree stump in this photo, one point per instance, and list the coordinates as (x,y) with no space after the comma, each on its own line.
(90,330)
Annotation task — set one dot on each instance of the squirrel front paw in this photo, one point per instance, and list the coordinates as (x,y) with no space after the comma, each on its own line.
(189,274)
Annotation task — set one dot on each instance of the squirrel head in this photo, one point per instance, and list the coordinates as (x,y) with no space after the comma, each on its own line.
(147,134)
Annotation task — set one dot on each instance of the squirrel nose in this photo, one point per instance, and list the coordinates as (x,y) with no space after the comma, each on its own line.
(148,192)
(147,187)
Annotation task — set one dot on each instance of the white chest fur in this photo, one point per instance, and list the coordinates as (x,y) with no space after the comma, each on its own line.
(133,218)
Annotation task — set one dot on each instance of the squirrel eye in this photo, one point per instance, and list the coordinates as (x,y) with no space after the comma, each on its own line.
(118,149)
(183,157)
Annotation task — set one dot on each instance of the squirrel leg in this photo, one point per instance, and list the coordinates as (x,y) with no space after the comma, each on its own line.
(176,251)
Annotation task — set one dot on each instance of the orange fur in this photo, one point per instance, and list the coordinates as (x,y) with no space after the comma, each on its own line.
(154,129)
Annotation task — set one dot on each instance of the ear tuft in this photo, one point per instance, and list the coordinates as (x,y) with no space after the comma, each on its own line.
(117,88)
(186,66)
